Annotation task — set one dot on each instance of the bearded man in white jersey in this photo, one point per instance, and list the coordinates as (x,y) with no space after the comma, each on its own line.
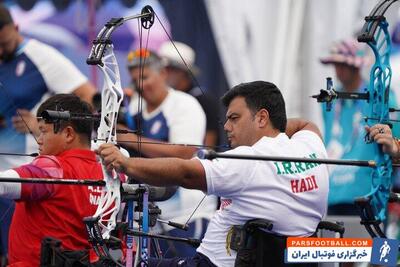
(256,124)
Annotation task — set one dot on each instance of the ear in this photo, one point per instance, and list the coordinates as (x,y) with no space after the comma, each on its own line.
(69,134)
(163,73)
(262,118)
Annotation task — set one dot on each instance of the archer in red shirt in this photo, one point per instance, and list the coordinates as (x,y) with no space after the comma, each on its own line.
(47,209)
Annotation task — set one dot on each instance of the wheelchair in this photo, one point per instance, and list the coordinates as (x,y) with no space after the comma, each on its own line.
(257,248)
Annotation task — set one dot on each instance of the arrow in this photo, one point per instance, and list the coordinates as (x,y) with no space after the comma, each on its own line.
(210,154)
(53,181)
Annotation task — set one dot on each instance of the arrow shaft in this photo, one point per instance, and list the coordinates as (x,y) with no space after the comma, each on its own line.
(19,154)
(170,144)
(52,181)
(361,163)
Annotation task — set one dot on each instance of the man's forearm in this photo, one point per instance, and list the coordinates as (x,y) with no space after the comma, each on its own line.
(166,172)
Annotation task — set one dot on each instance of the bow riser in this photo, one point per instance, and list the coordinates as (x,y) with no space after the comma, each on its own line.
(111,99)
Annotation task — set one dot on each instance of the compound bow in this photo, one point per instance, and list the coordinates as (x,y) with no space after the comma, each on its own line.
(100,225)
(375,33)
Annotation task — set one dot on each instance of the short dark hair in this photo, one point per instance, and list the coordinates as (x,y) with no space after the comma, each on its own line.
(259,95)
(5,16)
(73,104)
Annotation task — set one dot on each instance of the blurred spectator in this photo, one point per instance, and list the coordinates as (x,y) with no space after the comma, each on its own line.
(182,78)
(344,134)
(168,116)
(30,71)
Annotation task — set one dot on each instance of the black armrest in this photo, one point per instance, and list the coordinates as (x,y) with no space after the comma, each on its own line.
(336,227)
(258,223)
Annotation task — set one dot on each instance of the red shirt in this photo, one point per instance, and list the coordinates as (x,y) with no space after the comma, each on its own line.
(54,210)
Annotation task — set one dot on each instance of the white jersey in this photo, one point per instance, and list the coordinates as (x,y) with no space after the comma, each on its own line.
(291,195)
(36,72)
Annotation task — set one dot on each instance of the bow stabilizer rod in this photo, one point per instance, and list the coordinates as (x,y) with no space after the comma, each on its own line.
(191,241)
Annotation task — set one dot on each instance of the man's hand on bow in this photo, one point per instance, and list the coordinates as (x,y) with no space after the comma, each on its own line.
(382,134)
(112,157)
